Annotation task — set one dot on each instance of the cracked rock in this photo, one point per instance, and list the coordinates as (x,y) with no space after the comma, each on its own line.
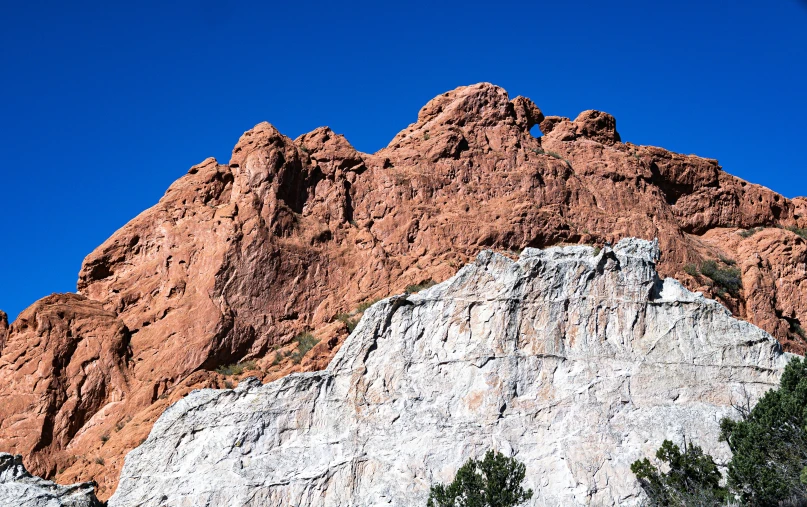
(575,361)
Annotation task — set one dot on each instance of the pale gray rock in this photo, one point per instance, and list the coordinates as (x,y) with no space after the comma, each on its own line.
(19,488)
(575,362)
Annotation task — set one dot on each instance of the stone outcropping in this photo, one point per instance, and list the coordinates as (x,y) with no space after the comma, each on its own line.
(18,488)
(576,362)
(64,368)
(290,235)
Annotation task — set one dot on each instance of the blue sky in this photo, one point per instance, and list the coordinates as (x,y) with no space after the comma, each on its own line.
(104,105)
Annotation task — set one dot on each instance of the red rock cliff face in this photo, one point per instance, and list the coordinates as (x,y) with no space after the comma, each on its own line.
(3,329)
(292,235)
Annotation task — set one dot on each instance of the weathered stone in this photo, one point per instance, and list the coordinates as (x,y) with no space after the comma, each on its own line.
(18,488)
(3,329)
(64,372)
(573,361)
(238,258)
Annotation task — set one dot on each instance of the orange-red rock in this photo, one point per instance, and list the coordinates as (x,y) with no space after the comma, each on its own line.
(64,370)
(3,329)
(238,258)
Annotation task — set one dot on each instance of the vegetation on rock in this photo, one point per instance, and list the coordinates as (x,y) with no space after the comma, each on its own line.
(494,481)
(305,342)
(750,232)
(724,275)
(799,231)
(236,369)
(349,321)
(692,477)
(769,443)
(412,289)
(769,455)
(725,278)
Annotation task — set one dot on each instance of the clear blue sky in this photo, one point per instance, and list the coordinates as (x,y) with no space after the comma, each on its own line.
(104,105)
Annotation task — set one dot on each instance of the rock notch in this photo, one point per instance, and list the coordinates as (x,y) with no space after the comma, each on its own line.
(576,362)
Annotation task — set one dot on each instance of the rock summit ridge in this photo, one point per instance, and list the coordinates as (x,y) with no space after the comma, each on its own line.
(295,236)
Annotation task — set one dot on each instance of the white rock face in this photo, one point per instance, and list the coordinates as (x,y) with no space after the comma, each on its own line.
(19,488)
(576,364)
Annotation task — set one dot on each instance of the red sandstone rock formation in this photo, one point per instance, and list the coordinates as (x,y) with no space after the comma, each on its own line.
(3,329)
(290,236)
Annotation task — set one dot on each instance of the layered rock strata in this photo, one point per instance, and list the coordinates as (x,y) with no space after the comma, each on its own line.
(292,236)
(573,361)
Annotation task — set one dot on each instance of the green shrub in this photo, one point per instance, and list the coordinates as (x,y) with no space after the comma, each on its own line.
(691,269)
(554,155)
(596,251)
(411,289)
(99,461)
(768,466)
(800,231)
(236,369)
(728,279)
(305,342)
(230,369)
(750,232)
(367,304)
(350,322)
(105,438)
(692,477)
(493,482)
(769,443)
(727,261)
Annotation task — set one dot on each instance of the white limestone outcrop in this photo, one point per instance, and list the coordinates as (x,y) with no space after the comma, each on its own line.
(574,361)
(18,488)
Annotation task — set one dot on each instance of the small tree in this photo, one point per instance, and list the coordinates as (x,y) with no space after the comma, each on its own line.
(493,482)
(692,480)
(769,443)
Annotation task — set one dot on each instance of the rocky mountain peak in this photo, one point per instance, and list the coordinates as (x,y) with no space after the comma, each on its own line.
(598,126)
(477,118)
(239,261)
(482,104)
(331,152)
(594,125)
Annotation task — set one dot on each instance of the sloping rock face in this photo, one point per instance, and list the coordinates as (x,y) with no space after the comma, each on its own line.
(573,361)
(238,258)
(20,489)
(64,370)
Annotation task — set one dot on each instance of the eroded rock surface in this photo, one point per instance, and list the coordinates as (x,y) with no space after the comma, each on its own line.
(3,329)
(64,372)
(237,258)
(18,488)
(573,361)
